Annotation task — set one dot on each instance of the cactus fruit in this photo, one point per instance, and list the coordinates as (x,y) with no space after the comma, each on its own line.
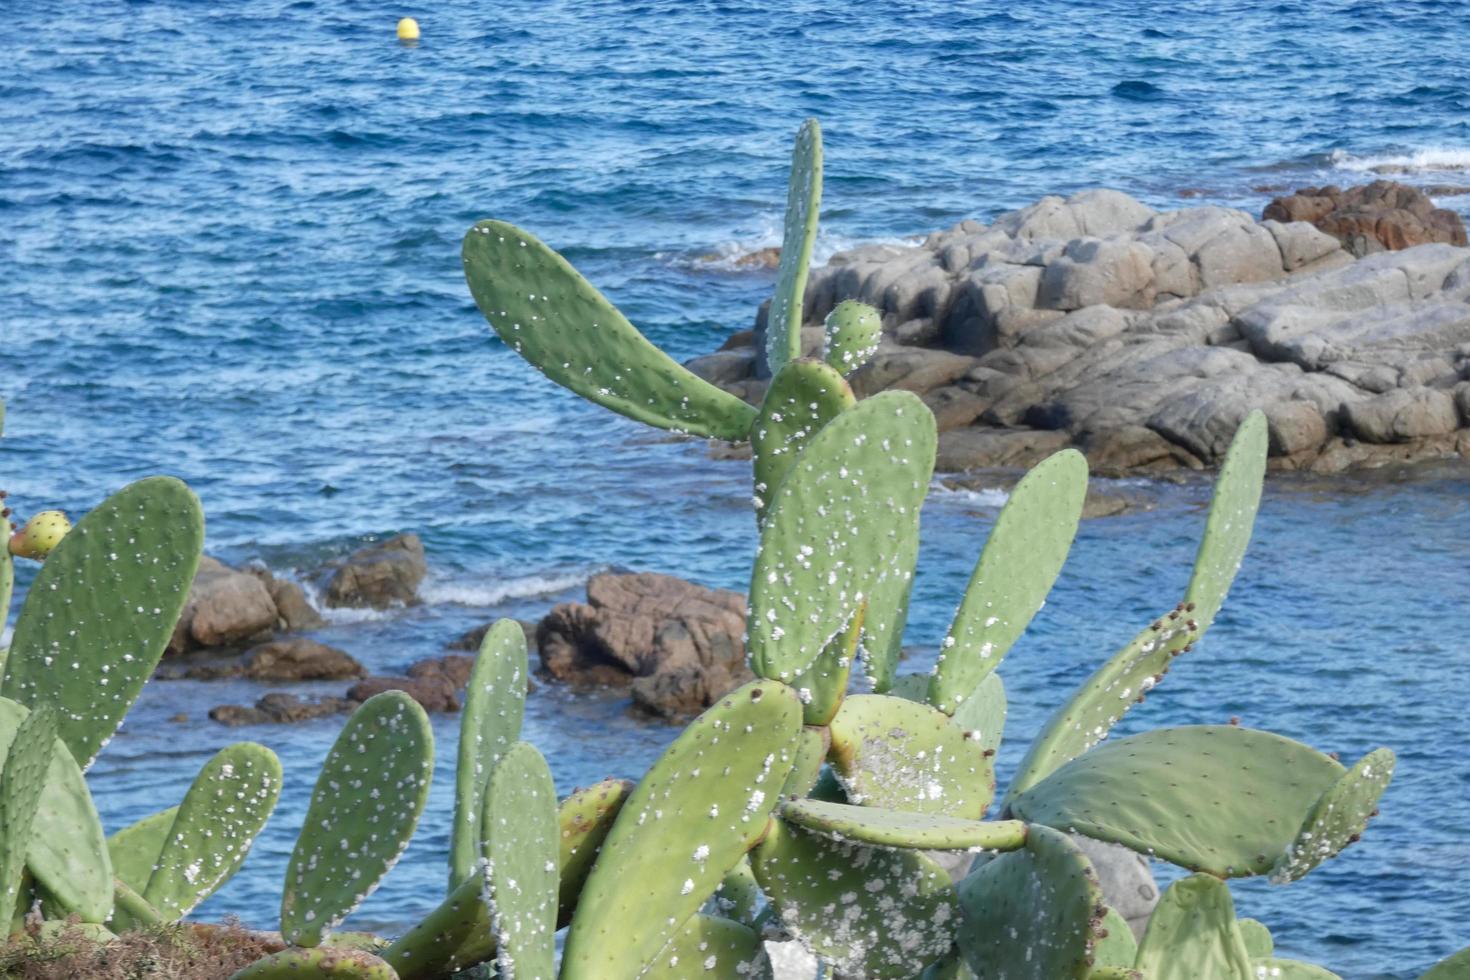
(583,819)
(1233,810)
(1032,914)
(1117,946)
(22,778)
(318,964)
(906,829)
(40,534)
(1338,818)
(714,947)
(134,849)
(520,851)
(853,332)
(803,211)
(804,396)
(1104,698)
(1231,519)
(1020,562)
(830,532)
(102,609)
(702,806)
(903,755)
(870,912)
(226,807)
(546,312)
(70,858)
(1192,934)
(490,723)
(363,811)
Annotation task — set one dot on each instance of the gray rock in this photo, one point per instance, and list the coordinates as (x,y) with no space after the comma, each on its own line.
(379,575)
(1404,414)
(1128,884)
(1095,271)
(225,608)
(1301,243)
(724,366)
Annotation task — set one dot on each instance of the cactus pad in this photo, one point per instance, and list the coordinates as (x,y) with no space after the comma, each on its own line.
(489,724)
(832,531)
(226,807)
(69,858)
(904,755)
(1032,914)
(702,806)
(853,332)
(1339,817)
(1104,698)
(1225,800)
(135,848)
(1456,966)
(895,828)
(102,609)
(583,820)
(803,211)
(1192,934)
(982,714)
(806,767)
(1232,516)
(870,912)
(1117,946)
(22,778)
(804,396)
(1020,562)
(1274,969)
(520,849)
(546,312)
(318,964)
(1257,938)
(714,947)
(457,935)
(363,811)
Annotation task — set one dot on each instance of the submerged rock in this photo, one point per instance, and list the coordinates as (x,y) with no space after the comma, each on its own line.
(280,707)
(380,575)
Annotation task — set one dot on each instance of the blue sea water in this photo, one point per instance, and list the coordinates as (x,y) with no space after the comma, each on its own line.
(230,239)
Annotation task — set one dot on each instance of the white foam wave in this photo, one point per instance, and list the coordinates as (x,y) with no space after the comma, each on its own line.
(987,497)
(735,255)
(482,593)
(1441,159)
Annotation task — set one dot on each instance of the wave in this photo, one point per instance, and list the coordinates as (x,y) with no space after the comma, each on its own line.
(759,250)
(481,593)
(987,497)
(1440,159)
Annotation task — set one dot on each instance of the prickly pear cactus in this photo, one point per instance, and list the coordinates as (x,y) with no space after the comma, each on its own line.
(808,758)
(318,964)
(41,534)
(1116,946)
(21,781)
(102,609)
(456,935)
(583,820)
(702,806)
(363,811)
(1192,933)
(1232,516)
(69,859)
(546,312)
(520,849)
(1020,562)
(853,332)
(803,211)
(900,828)
(982,714)
(1453,967)
(869,912)
(135,848)
(1256,937)
(829,536)
(804,396)
(489,724)
(226,807)
(713,947)
(1233,810)
(1032,914)
(1339,818)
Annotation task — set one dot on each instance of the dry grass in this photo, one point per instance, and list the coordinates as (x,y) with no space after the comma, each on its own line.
(174,952)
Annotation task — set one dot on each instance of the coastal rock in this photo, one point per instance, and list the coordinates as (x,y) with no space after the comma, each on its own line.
(1383,215)
(294,612)
(678,645)
(295,659)
(1128,884)
(1404,414)
(435,692)
(471,639)
(379,575)
(225,607)
(279,707)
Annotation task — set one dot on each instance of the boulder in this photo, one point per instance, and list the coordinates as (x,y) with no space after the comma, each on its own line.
(299,659)
(1404,414)
(471,639)
(279,707)
(680,646)
(380,575)
(435,692)
(454,668)
(1383,215)
(225,608)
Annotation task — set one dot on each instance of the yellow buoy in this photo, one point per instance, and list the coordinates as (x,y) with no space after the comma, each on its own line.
(408,29)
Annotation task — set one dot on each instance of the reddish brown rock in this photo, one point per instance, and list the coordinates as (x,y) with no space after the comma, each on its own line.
(279,708)
(435,693)
(379,575)
(1382,216)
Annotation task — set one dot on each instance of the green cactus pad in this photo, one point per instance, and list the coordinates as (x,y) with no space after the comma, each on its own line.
(520,850)
(853,332)
(130,910)
(546,312)
(1115,973)
(830,531)
(895,828)
(701,807)
(870,912)
(982,714)
(1032,914)
(904,755)
(1257,938)
(714,947)
(738,896)
(1220,799)
(135,848)
(457,935)
(1269,968)
(887,614)
(804,396)
(1456,966)
(583,820)
(363,811)
(102,609)
(22,779)
(1192,934)
(1104,698)
(1021,559)
(1339,818)
(226,807)
(69,859)
(803,211)
(1232,516)
(1117,946)
(489,724)
(318,964)
(806,769)
(823,683)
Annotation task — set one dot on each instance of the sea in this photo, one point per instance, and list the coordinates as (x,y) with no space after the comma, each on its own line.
(230,233)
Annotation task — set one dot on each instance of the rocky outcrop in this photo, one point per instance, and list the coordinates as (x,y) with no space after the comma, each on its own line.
(1381,216)
(1144,338)
(230,608)
(677,645)
(434,691)
(293,659)
(380,575)
(279,707)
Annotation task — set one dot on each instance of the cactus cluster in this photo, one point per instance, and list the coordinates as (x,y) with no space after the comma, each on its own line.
(792,808)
